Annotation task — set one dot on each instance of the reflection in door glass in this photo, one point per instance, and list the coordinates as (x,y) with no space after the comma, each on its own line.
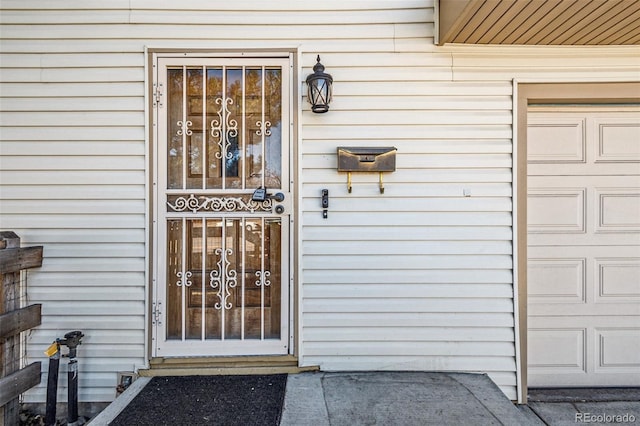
(174,117)
(214,153)
(253,115)
(273,115)
(224,127)
(193,129)
(226,274)
(234,132)
(174,273)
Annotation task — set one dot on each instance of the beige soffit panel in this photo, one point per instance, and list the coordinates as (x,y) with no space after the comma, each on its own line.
(540,22)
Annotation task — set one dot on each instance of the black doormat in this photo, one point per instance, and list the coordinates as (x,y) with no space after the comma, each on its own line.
(207,400)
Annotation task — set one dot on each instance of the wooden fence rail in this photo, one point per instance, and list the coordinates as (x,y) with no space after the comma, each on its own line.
(13,320)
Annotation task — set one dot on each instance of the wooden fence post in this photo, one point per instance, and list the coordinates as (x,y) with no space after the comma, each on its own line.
(13,320)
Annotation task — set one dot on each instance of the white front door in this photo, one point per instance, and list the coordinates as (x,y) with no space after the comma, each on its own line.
(584,246)
(221,272)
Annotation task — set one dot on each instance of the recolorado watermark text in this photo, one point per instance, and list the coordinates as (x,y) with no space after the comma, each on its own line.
(604,418)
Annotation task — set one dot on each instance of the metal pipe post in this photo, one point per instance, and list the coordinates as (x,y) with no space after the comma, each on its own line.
(52,387)
(72,340)
(72,408)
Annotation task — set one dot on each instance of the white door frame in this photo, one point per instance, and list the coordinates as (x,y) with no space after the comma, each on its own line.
(285,60)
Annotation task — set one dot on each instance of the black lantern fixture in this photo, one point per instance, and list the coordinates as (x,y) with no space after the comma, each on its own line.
(319,86)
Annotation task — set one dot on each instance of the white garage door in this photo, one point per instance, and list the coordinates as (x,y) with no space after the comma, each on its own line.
(584,246)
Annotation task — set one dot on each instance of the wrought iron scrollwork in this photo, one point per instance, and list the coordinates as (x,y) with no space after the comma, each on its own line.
(263,278)
(224,128)
(183,279)
(184,128)
(218,204)
(223,279)
(263,127)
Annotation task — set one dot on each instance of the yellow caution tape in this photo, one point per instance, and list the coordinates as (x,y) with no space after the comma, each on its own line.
(51,350)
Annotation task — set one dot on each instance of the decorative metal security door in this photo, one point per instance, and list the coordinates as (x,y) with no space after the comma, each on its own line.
(223,212)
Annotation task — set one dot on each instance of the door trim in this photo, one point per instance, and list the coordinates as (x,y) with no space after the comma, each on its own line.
(151,137)
(555,94)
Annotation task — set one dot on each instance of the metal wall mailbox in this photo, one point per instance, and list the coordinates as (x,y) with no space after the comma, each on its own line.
(366,159)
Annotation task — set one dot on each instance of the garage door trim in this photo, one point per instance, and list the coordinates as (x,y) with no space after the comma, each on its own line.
(526,94)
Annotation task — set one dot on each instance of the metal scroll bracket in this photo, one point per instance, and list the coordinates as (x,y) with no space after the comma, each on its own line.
(350,186)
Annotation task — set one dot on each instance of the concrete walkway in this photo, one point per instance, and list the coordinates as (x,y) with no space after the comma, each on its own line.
(397,398)
(583,405)
(421,398)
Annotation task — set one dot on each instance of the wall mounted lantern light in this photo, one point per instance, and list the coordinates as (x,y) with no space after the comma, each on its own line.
(319,86)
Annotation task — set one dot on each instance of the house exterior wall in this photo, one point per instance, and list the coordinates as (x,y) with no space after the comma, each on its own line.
(417,278)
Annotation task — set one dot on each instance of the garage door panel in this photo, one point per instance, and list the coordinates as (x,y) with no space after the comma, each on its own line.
(583,275)
(557,378)
(557,140)
(618,139)
(557,280)
(610,239)
(592,185)
(557,210)
(555,349)
(618,210)
(599,169)
(591,205)
(605,353)
(580,181)
(618,280)
(563,312)
(619,349)
(605,285)
(629,252)
(629,321)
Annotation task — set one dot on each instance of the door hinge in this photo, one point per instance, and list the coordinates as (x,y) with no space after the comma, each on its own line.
(156,313)
(158,92)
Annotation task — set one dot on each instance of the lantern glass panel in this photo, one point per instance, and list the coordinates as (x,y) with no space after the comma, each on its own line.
(319,94)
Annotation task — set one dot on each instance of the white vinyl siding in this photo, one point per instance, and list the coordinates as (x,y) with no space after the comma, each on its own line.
(72,170)
(418,278)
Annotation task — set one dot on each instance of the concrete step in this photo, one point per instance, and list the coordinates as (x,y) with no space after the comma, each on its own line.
(204,366)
